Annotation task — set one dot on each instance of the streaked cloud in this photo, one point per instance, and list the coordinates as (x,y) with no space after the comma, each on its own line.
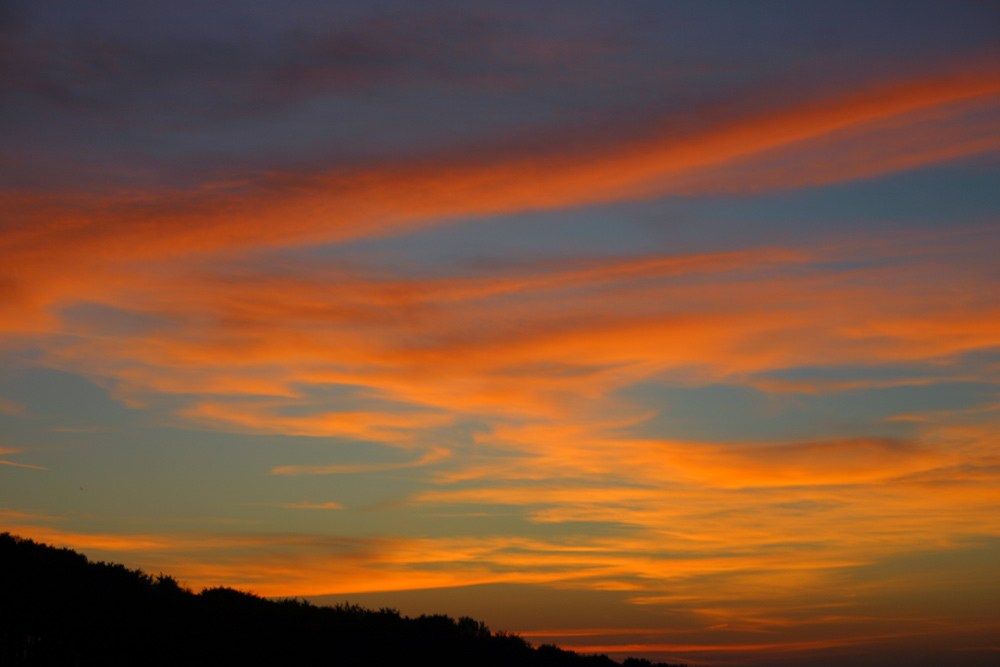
(313,506)
(45,260)
(14,450)
(429,458)
(11,408)
(584,300)
(21,465)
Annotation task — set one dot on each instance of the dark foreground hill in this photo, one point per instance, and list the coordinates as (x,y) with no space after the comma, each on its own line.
(58,608)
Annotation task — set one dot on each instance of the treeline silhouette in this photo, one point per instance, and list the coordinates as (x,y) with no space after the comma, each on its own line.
(59,608)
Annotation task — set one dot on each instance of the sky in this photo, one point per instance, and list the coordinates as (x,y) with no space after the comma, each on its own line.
(664,329)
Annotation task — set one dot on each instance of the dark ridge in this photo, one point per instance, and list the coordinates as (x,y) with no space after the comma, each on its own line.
(58,608)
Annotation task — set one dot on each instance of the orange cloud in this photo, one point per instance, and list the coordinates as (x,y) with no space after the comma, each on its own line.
(534,358)
(820,463)
(99,542)
(431,457)
(870,320)
(538,353)
(71,246)
(764,648)
(313,506)
(537,357)
(859,151)
(255,416)
(21,465)
(10,408)
(13,450)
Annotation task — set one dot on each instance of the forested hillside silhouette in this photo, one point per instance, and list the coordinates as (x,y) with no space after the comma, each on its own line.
(59,608)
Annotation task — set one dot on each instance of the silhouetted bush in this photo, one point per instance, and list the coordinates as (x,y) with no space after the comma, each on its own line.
(57,608)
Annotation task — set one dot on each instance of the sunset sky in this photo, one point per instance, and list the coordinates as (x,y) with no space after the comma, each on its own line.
(665,329)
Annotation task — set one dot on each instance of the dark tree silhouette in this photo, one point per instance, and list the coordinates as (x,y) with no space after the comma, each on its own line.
(57,608)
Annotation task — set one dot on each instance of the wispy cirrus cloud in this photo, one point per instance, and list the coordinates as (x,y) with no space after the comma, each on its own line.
(434,456)
(421,353)
(446,353)
(9,407)
(195,216)
(21,465)
(15,450)
(53,238)
(313,506)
